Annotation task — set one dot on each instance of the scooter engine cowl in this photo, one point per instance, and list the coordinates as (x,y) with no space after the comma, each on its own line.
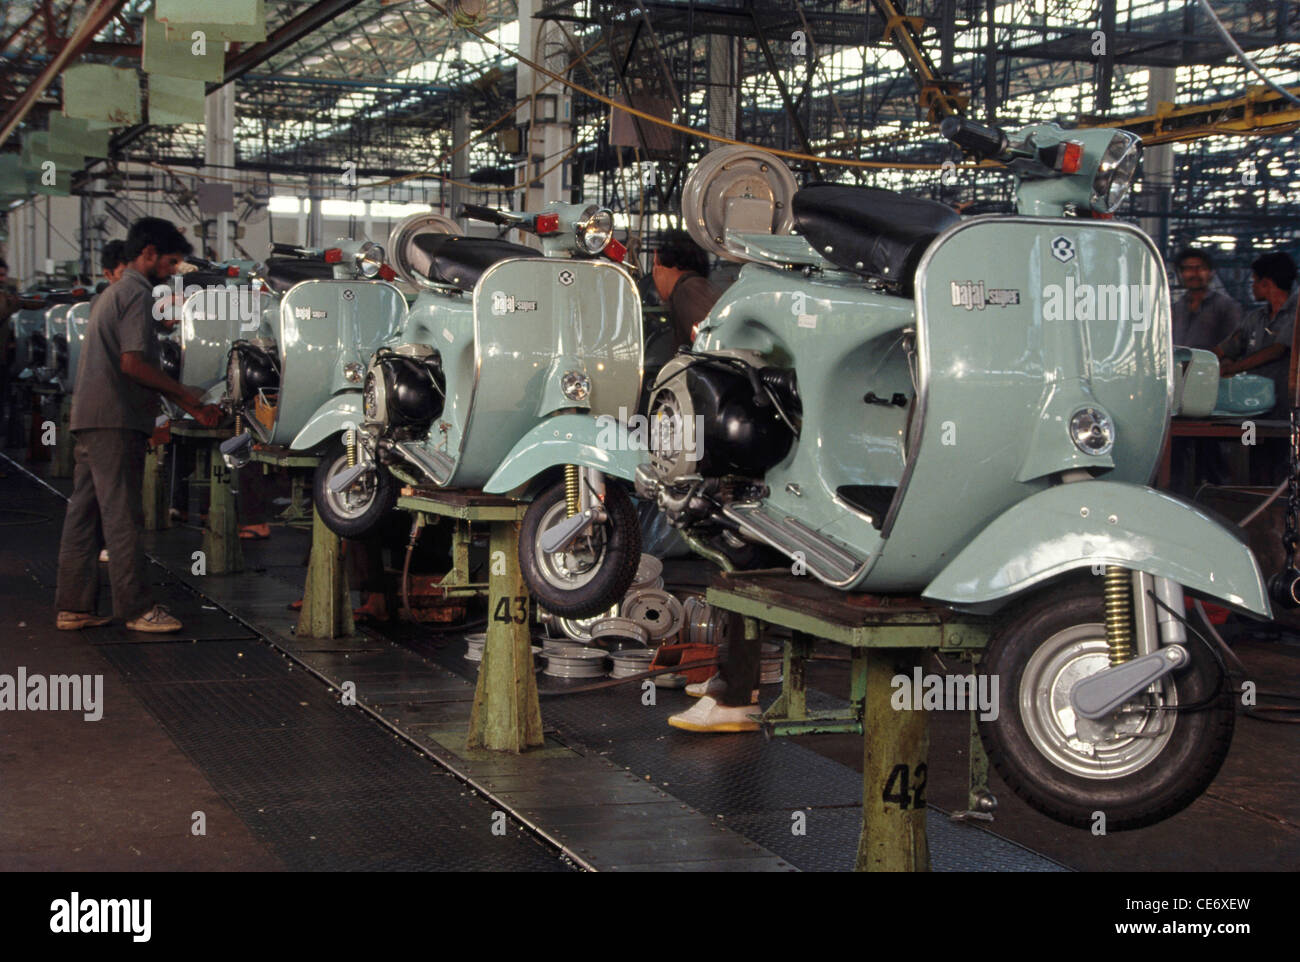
(404,391)
(250,368)
(706,421)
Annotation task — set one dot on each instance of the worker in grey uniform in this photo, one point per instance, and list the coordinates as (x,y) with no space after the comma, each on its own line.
(113,413)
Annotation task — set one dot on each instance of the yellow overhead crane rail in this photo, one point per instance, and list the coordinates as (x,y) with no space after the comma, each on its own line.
(1260,111)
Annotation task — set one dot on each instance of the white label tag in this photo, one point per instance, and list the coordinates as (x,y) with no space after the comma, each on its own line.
(807,320)
(448,335)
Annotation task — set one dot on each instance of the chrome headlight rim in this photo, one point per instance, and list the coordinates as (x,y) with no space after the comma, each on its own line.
(369,259)
(594,230)
(575,385)
(1115,173)
(1093,431)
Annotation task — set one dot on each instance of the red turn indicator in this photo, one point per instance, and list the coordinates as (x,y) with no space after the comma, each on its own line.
(615,251)
(547,223)
(334,255)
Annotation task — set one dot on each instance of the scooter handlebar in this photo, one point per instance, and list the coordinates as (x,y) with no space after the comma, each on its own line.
(291,250)
(489,214)
(973,137)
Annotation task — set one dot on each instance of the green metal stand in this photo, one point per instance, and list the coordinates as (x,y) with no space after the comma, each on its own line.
(326,601)
(157,509)
(64,463)
(221,533)
(887,636)
(894,772)
(506,715)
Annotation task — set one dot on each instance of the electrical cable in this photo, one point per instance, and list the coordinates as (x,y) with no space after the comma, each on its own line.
(690,131)
(1241,54)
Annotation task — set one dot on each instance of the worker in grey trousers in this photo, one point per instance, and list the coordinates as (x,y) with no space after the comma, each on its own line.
(113,411)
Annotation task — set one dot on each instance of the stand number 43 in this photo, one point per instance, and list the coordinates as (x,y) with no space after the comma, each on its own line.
(502,610)
(896,788)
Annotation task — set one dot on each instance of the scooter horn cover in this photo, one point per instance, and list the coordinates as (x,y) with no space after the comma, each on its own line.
(870,231)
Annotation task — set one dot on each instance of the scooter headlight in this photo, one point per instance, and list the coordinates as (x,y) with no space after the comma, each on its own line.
(1115,172)
(1092,431)
(369,259)
(594,230)
(576,386)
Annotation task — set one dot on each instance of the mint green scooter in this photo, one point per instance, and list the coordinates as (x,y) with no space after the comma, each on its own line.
(894,399)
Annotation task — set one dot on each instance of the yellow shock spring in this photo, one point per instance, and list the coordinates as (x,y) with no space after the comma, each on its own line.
(1118,595)
(572,489)
(239,424)
(352,448)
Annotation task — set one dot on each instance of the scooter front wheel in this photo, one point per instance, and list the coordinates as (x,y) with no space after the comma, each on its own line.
(1145,762)
(357,509)
(591,575)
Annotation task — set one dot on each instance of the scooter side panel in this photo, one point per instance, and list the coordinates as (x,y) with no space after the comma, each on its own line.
(526,312)
(211,320)
(844,341)
(340,413)
(1009,347)
(1093,523)
(326,325)
(78,319)
(445,322)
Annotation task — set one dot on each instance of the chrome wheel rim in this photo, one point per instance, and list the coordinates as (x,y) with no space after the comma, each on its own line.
(1111,747)
(354,500)
(579,563)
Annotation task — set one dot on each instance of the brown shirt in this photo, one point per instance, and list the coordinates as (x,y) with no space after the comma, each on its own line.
(689,303)
(121,321)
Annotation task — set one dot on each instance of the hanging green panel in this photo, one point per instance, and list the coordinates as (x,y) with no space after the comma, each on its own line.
(13,176)
(37,150)
(71,135)
(93,91)
(254,32)
(209,11)
(175,100)
(200,59)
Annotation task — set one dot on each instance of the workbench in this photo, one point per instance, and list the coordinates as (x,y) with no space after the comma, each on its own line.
(888,636)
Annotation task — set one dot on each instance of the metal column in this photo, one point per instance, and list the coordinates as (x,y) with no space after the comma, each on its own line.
(219,152)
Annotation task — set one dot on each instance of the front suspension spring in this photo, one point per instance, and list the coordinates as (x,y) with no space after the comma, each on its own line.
(572,489)
(352,448)
(1118,595)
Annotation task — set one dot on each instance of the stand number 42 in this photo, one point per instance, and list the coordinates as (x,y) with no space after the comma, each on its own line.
(896,788)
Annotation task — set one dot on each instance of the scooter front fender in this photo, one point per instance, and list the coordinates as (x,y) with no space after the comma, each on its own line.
(340,413)
(600,443)
(1092,523)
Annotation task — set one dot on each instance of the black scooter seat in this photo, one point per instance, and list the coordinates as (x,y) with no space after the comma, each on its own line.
(870,231)
(459,261)
(282,273)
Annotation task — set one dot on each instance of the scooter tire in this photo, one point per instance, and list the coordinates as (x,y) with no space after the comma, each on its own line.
(1170,781)
(362,523)
(617,569)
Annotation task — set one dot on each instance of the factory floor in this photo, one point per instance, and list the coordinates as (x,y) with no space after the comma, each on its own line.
(232,728)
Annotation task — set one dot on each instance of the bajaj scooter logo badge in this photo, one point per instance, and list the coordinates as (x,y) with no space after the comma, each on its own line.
(307,314)
(566,278)
(503,303)
(1063,249)
(973,296)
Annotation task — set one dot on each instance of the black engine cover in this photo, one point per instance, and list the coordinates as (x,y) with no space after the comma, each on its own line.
(740,436)
(415,389)
(249,370)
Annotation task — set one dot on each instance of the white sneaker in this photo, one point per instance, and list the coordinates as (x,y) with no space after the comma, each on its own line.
(706,715)
(156,619)
(103,555)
